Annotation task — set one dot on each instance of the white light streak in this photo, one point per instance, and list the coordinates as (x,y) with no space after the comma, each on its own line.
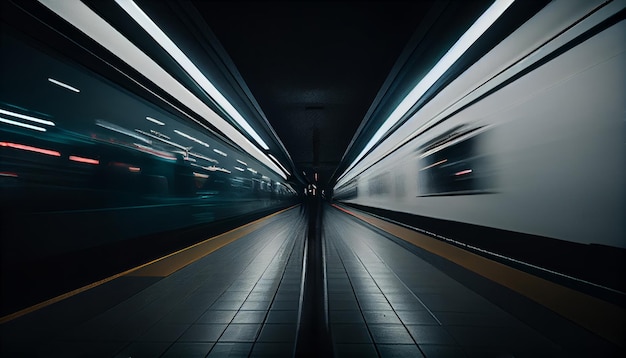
(20,124)
(28,118)
(240,169)
(168,45)
(454,53)
(190,137)
(64,85)
(220,152)
(434,164)
(279,164)
(155,121)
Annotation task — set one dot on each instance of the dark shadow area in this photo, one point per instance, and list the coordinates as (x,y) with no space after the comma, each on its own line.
(313,337)
(26,283)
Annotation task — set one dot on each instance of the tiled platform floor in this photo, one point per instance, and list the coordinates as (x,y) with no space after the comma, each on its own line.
(385,301)
(244,299)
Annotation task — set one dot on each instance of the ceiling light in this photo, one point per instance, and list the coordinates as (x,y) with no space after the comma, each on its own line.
(168,45)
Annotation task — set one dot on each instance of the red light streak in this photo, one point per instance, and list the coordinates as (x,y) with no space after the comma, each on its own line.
(30,149)
(462,172)
(84,160)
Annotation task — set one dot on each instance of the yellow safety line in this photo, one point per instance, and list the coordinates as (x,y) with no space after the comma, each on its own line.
(603,318)
(172,265)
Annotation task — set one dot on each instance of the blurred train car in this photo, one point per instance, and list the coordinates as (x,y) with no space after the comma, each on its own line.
(92,161)
(521,156)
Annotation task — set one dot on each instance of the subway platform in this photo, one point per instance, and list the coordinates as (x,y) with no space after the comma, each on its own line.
(373,289)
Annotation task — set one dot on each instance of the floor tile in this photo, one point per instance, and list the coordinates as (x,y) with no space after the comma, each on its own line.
(430,335)
(164,332)
(188,350)
(372,317)
(217,316)
(354,350)
(234,350)
(240,333)
(281,316)
(346,316)
(350,333)
(273,350)
(390,334)
(249,317)
(277,333)
(399,351)
(203,333)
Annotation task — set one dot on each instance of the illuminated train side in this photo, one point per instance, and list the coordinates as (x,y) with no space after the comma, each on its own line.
(529,139)
(89,158)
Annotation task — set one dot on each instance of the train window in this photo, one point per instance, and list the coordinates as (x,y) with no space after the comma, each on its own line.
(379,185)
(456,169)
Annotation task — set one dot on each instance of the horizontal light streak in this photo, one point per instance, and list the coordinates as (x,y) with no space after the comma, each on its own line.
(64,85)
(8,174)
(434,164)
(28,118)
(84,160)
(220,152)
(463,172)
(121,130)
(30,148)
(20,124)
(242,162)
(157,153)
(200,175)
(155,121)
(240,169)
(190,137)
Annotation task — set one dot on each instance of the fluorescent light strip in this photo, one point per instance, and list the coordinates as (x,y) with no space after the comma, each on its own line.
(240,169)
(28,118)
(168,45)
(242,162)
(20,124)
(87,21)
(155,121)
(64,85)
(454,53)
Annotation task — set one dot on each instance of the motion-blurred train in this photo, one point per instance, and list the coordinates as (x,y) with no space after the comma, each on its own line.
(522,155)
(90,156)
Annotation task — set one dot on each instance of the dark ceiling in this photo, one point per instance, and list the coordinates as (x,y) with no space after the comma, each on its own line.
(324,73)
